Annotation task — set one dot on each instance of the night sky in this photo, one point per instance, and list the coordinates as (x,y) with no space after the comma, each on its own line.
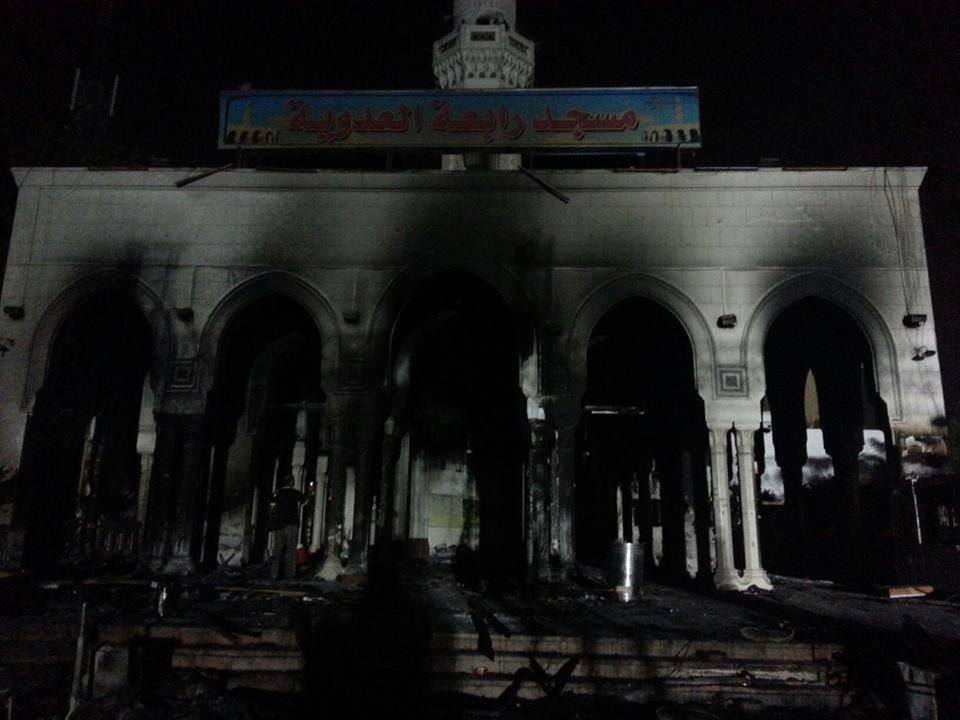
(811,83)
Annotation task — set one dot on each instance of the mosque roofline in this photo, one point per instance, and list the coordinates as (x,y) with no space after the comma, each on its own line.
(366,179)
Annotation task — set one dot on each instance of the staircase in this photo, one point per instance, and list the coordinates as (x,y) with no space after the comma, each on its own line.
(759,675)
(268,659)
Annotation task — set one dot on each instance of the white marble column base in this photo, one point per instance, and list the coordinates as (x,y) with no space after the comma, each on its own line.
(728,581)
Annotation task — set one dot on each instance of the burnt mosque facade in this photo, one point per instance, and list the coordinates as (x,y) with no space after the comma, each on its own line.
(734,367)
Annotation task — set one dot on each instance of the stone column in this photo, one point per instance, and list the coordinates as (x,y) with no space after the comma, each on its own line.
(844,451)
(319,504)
(194,478)
(159,507)
(146,444)
(214,506)
(753,573)
(369,424)
(725,577)
(337,449)
(537,525)
(565,417)
(389,456)
(177,493)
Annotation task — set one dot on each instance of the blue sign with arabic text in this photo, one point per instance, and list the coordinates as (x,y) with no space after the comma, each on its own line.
(461,120)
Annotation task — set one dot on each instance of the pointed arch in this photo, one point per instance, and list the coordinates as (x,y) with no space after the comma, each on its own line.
(263,285)
(103,283)
(684,309)
(831,289)
(407,284)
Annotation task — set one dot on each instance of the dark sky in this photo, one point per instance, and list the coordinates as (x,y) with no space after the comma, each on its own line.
(828,83)
(812,83)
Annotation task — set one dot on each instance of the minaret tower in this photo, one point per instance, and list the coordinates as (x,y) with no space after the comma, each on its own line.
(483,51)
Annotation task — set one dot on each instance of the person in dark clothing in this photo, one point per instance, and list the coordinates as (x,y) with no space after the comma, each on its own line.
(286,528)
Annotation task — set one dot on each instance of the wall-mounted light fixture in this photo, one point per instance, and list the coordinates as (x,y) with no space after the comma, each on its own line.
(914,320)
(185,313)
(922,353)
(14,312)
(727,321)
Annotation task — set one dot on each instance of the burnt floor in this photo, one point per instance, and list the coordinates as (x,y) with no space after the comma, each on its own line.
(374,649)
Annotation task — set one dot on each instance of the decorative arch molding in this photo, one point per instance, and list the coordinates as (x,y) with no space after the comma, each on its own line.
(832,289)
(103,283)
(675,301)
(261,286)
(407,284)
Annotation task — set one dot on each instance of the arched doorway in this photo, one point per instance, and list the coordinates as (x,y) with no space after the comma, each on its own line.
(641,471)
(265,417)
(455,437)
(825,486)
(80,473)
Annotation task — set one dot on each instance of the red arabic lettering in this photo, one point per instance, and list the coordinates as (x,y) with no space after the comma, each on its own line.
(300,122)
(471,122)
(328,131)
(578,123)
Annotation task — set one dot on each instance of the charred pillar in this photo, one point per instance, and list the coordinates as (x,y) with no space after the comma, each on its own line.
(46,491)
(791,454)
(566,418)
(368,423)
(214,504)
(340,450)
(844,448)
(700,490)
(537,502)
(673,507)
(390,456)
(175,514)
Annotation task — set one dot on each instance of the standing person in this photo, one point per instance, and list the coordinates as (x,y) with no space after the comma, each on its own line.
(286,527)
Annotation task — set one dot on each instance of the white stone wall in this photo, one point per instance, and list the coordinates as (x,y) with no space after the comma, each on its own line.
(708,242)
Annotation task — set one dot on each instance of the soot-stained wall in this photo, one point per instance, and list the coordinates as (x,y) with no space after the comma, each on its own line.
(353,248)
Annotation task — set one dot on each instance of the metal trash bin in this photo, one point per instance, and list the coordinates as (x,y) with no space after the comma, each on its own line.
(625,568)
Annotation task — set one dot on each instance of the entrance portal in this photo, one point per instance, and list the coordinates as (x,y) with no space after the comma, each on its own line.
(455,439)
(825,486)
(265,416)
(641,473)
(80,472)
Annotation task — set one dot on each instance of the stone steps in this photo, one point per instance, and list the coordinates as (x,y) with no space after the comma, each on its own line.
(270,660)
(761,674)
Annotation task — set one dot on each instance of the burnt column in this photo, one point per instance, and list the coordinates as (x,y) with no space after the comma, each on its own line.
(368,443)
(162,492)
(537,502)
(565,416)
(844,454)
(177,493)
(214,505)
(700,452)
(338,449)
(842,420)
(390,454)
